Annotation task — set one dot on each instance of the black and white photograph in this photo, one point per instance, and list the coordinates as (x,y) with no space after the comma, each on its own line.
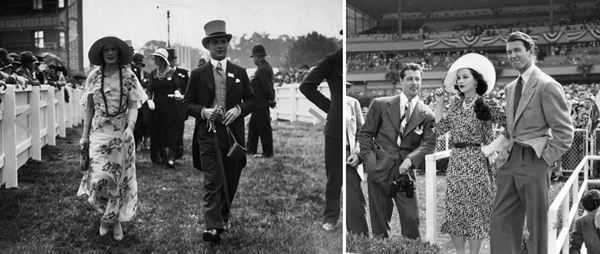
(171,126)
(471,126)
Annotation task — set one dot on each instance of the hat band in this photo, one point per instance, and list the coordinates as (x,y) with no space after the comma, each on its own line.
(217,34)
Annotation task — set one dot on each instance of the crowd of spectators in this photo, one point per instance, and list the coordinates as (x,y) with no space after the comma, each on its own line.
(290,76)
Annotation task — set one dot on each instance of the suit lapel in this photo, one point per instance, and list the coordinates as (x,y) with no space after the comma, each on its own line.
(393,111)
(229,80)
(590,229)
(209,78)
(528,92)
(416,118)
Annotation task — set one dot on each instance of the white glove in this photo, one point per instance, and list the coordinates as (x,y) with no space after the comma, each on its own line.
(151,105)
(178,95)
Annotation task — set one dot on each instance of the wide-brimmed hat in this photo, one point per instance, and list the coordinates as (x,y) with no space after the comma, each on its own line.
(215,29)
(27,57)
(161,52)
(473,61)
(258,50)
(95,53)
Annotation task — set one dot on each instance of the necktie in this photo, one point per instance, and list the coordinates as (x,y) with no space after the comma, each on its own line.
(407,112)
(518,92)
(403,121)
(220,69)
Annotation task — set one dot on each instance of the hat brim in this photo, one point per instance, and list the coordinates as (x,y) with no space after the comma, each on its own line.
(473,61)
(207,39)
(161,56)
(95,53)
(261,54)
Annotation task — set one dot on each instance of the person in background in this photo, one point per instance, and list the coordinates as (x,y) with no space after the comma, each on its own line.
(587,227)
(111,99)
(330,69)
(259,126)
(143,123)
(28,68)
(201,62)
(183,79)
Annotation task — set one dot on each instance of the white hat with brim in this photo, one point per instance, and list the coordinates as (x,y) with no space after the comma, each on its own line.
(161,52)
(95,53)
(473,61)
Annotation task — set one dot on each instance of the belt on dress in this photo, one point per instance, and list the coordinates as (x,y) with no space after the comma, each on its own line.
(465,145)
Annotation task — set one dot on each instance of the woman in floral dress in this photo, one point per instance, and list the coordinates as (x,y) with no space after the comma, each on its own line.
(470,178)
(111,99)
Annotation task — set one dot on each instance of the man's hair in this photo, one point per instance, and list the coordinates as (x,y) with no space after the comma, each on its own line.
(409,66)
(590,200)
(520,36)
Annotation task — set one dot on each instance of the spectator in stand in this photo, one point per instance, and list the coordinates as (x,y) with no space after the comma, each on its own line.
(28,68)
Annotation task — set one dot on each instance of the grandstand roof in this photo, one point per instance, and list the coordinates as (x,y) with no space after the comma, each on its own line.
(376,8)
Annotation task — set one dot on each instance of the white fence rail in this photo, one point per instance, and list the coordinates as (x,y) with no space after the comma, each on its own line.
(293,106)
(30,119)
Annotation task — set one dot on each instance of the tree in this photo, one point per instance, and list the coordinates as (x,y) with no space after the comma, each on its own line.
(149,48)
(276,49)
(309,49)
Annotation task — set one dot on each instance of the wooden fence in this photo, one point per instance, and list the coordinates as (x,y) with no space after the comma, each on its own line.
(30,119)
(293,106)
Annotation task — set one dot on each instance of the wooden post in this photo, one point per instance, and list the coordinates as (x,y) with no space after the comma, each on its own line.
(51,117)
(9,133)
(62,127)
(35,128)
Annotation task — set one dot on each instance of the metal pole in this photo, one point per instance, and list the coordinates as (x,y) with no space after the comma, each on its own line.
(168,29)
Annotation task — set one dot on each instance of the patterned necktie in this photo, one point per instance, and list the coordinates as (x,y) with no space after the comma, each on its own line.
(220,70)
(404,120)
(518,92)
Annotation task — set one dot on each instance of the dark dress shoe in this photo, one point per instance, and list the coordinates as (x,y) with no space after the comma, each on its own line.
(211,235)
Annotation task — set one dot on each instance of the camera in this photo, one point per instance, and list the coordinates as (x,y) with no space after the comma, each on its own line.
(402,184)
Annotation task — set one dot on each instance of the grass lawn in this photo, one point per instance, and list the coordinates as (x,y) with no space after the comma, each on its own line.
(444,242)
(277,208)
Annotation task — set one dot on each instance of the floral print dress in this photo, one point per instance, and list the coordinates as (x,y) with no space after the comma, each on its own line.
(110,183)
(471,185)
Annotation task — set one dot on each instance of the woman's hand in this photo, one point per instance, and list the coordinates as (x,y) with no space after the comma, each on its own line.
(151,105)
(353,160)
(440,95)
(128,134)
(84,141)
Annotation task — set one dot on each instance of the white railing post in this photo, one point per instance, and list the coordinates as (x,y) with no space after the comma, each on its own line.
(62,127)
(294,98)
(9,134)
(430,196)
(51,117)
(68,110)
(35,128)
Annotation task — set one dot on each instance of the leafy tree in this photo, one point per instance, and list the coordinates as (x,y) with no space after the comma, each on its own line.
(309,49)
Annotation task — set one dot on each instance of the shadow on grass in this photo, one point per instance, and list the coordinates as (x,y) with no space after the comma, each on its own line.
(277,208)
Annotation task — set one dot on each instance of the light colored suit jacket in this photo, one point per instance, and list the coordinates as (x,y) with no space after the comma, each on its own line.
(585,232)
(542,120)
(354,121)
(379,149)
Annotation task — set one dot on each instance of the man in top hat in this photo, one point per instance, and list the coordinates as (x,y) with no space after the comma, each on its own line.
(218,96)
(260,121)
(184,79)
(539,131)
(142,125)
(28,67)
(330,69)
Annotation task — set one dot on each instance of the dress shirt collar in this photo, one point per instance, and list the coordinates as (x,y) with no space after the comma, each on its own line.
(223,64)
(525,76)
(404,100)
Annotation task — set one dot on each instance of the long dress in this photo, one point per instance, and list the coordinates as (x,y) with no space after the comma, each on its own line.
(110,183)
(470,182)
(166,130)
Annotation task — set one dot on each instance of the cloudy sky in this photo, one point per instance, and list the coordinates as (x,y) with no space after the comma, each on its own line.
(144,20)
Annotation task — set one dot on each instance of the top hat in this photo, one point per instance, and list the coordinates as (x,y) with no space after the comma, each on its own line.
(171,54)
(473,61)
(215,29)
(161,52)
(258,50)
(138,59)
(95,53)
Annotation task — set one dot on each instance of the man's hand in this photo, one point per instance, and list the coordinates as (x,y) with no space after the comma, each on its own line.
(272,103)
(406,164)
(231,115)
(151,105)
(353,160)
(211,114)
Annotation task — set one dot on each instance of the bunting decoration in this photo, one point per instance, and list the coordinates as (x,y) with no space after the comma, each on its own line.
(470,40)
(576,36)
(552,37)
(447,42)
(490,40)
(450,42)
(595,33)
(432,43)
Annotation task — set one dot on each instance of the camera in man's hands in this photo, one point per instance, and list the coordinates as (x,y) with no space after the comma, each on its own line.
(402,184)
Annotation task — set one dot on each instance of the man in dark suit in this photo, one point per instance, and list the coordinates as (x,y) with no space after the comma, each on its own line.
(142,125)
(183,82)
(260,121)
(330,69)
(219,95)
(539,131)
(397,134)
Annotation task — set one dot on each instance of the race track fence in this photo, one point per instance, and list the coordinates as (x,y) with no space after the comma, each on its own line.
(30,119)
(293,106)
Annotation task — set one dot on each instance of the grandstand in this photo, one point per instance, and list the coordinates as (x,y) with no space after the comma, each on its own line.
(567,33)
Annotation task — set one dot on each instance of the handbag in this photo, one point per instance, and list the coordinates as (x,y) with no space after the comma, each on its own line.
(237,151)
(84,157)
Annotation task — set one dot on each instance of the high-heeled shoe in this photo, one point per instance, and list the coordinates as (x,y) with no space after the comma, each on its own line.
(104,228)
(118,232)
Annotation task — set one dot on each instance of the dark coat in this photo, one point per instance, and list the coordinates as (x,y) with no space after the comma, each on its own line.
(262,85)
(201,94)
(329,68)
(184,77)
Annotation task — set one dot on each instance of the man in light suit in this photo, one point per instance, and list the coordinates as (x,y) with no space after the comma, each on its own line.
(397,134)
(539,131)
(218,95)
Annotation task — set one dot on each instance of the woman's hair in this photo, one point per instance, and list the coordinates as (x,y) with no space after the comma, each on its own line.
(480,86)
(590,200)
